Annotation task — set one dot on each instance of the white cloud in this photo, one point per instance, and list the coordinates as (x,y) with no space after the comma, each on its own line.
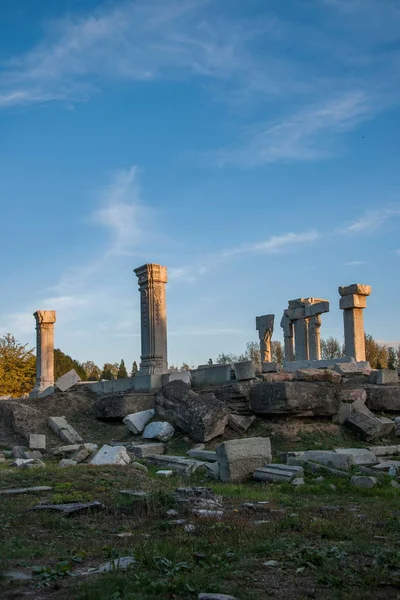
(371,220)
(274,244)
(355,263)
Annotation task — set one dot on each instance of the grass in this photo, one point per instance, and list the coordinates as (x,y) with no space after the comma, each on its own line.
(341,543)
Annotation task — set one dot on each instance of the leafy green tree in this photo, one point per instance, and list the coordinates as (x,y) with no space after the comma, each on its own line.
(64,363)
(134,369)
(17,367)
(278,354)
(122,372)
(253,352)
(392,359)
(377,355)
(92,371)
(331,348)
(110,371)
(225,359)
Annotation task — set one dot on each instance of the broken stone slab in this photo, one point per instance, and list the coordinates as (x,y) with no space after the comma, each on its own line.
(29,463)
(204,455)
(293,366)
(234,395)
(271,367)
(279,473)
(238,459)
(80,455)
(111,455)
(298,481)
(316,467)
(159,430)
(144,450)
(66,462)
(177,375)
(18,451)
(397,426)
(275,377)
(115,407)
(363,481)
(175,463)
(68,380)
(117,564)
(387,377)
(208,596)
(212,470)
(244,370)
(18,421)
(344,412)
(350,395)
(359,456)
(16,575)
(67,433)
(202,416)
(328,458)
(368,426)
(71,507)
(240,423)
(66,449)
(384,450)
(37,441)
(317,375)
(197,497)
(211,374)
(352,369)
(203,512)
(383,397)
(139,467)
(301,397)
(136,422)
(387,465)
(164,473)
(27,490)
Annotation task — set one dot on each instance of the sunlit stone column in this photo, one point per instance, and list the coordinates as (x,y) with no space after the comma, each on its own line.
(45,320)
(265,328)
(288,337)
(152,279)
(314,337)
(353,302)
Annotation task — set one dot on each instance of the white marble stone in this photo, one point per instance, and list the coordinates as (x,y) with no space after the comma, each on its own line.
(138,421)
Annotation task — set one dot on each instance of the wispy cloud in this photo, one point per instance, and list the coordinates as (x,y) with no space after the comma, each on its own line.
(355,263)
(274,244)
(371,220)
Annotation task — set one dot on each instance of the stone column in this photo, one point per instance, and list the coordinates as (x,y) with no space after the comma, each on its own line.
(301,339)
(353,301)
(314,337)
(45,320)
(265,328)
(152,279)
(288,334)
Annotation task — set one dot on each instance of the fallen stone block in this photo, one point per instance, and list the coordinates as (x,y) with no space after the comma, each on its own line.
(317,467)
(80,455)
(70,508)
(111,455)
(177,376)
(387,377)
(244,370)
(19,451)
(201,416)
(300,397)
(359,456)
(275,377)
(208,596)
(204,455)
(159,430)
(363,481)
(317,375)
(343,414)
(240,423)
(383,397)
(115,407)
(387,465)
(29,463)
(143,450)
(66,462)
(27,490)
(66,449)
(164,473)
(352,369)
(298,481)
(211,374)
(179,464)
(238,459)
(353,394)
(235,395)
(212,470)
(18,421)
(67,433)
(271,367)
(67,381)
(279,473)
(293,366)
(139,467)
(37,441)
(384,450)
(370,427)
(329,458)
(395,484)
(136,422)
(197,497)
(203,512)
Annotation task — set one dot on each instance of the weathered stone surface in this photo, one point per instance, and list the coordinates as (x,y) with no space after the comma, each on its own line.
(29,463)
(81,455)
(66,462)
(45,320)
(317,375)
(237,459)
(293,366)
(271,367)
(17,422)
(159,430)
(235,395)
(188,498)
(363,481)
(356,288)
(387,377)
(203,417)
(351,370)
(37,441)
(206,455)
(68,380)
(177,375)
(385,450)
(359,456)
(64,430)
(302,398)
(387,465)
(353,394)
(164,473)
(240,423)
(368,426)
(143,450)
(275,377)
(383,397)
(397,426)
(244,370)
(329,458)
(279,473)
(66,449)
(136,422)
(19,451)
(27,490)
(116,407)
(184,466)
(111,455)
(343,413)
(212,470)
(207,596)
(211,375)
(71,507)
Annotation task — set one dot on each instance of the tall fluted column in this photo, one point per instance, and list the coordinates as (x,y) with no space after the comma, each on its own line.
(152,279)
(45,320)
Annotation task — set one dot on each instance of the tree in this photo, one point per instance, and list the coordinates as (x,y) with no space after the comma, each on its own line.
(134,369)
(17,367)
(92,371)
(392,359)
(331,348)
(64,363)
(277,352)
(122,372)
(185,367)
(253,352)
(225,359)
(377,355)
(110,371)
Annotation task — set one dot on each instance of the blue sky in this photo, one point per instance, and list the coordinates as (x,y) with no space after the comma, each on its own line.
(251,147)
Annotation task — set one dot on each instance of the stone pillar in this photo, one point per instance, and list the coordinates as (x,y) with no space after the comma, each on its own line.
(45,320)
(152,279)
(265,328)
(314,337)
(353,301)
(301,339)
(288,334)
